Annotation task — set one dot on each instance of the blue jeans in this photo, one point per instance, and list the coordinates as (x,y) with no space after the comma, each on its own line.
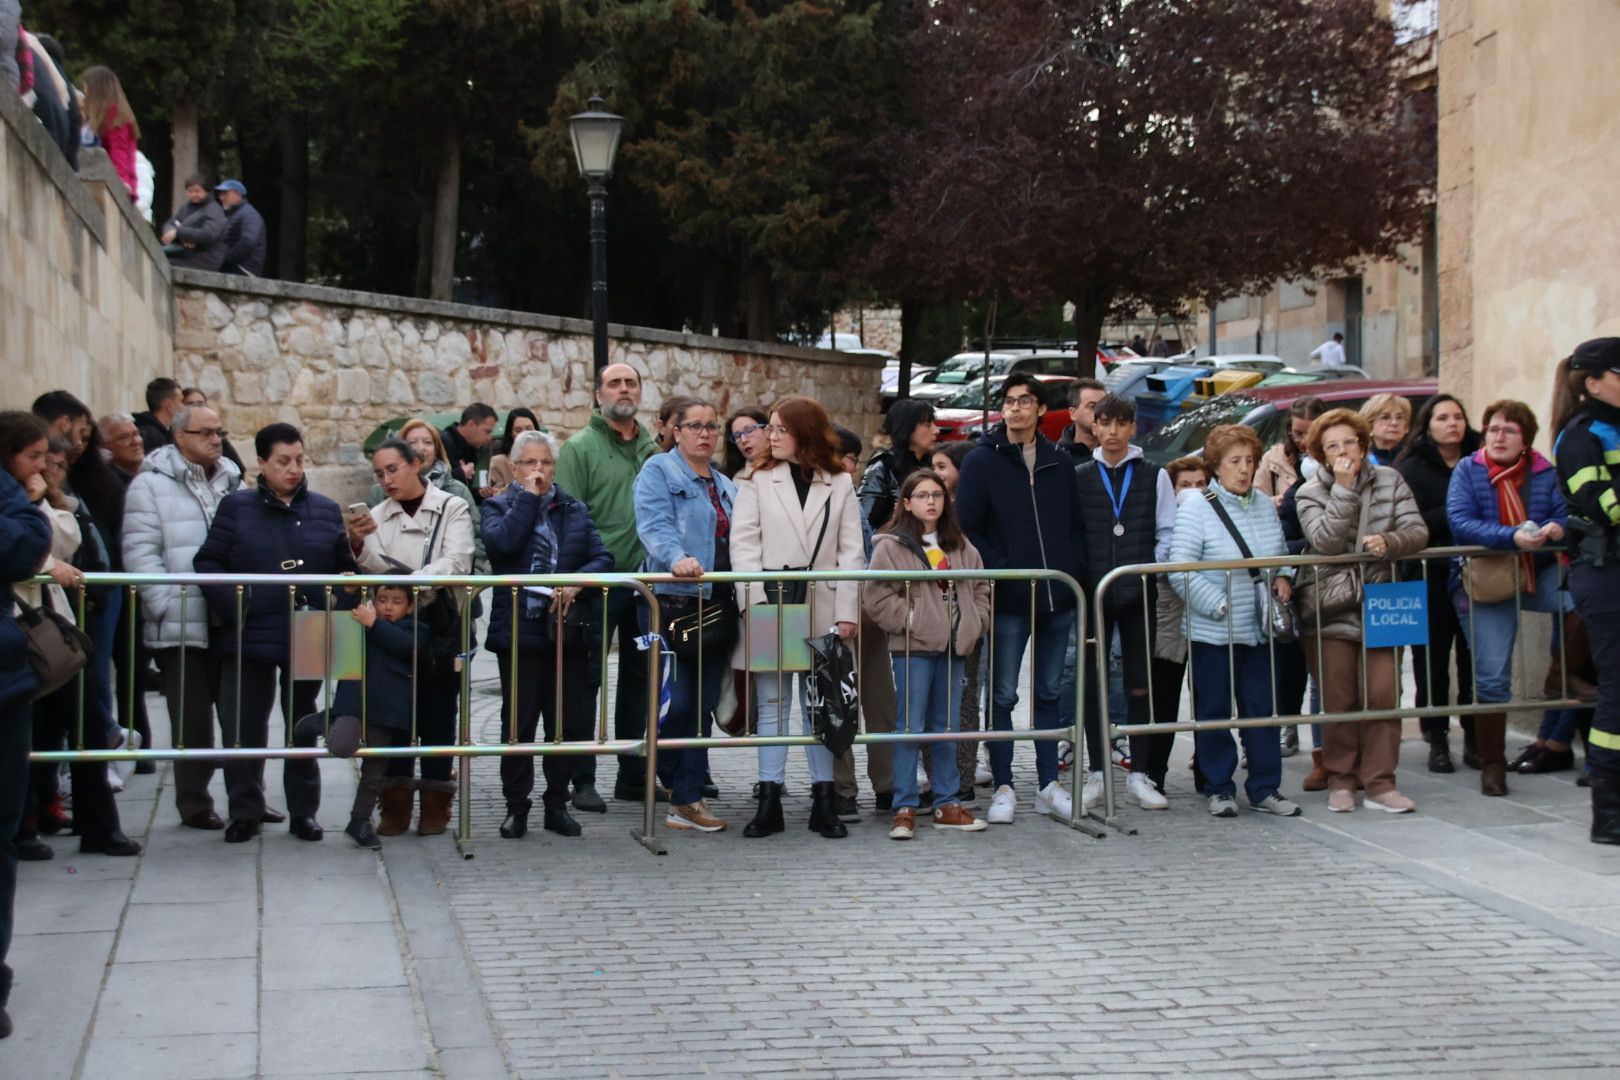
(103,629)
(16,732)
(1012,633)
(1492,629)
(773,696)
(692,694)
(1212,700)
(928,695)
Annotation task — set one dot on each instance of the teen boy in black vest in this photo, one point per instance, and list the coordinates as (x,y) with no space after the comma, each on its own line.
(1127,515)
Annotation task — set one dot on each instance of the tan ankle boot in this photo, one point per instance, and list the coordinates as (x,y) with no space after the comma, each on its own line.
(1317,778)
(435,816)
(396,803)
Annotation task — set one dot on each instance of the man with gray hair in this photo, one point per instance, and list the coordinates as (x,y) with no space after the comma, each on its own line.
(167,512)
(121,444)
(598,466)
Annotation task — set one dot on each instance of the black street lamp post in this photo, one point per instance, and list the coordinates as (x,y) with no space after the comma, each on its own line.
(595,134)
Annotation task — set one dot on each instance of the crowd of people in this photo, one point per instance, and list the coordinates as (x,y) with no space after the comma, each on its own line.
(782,487)
(215,228)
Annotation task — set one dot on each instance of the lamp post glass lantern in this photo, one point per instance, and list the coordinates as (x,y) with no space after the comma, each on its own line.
(595,135)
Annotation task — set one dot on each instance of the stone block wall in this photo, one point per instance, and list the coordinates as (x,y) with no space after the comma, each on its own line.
(85,295)
(337,363)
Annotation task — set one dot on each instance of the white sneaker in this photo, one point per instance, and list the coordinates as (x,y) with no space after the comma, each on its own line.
(1054,798)
(1002,805)
(125,769)
(1140,788)
(1092,793)
(982,776)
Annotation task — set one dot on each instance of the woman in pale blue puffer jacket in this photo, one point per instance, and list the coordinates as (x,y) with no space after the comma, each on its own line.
(1230,655)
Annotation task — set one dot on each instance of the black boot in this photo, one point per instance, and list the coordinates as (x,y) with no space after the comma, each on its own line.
(1440,754)
(824,812)
(1605,810)
(516,825)
(560,821)
(1470,748)
(768,818)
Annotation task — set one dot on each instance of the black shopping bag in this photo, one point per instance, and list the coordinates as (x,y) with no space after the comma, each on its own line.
(834,710)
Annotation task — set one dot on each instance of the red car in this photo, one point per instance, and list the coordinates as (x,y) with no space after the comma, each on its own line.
(963,415)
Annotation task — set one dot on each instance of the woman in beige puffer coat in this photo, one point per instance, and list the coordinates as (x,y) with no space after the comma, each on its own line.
(1352,505)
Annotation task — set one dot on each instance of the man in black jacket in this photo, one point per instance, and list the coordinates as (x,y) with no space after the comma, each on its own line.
(280,526)
(162,402)
(1078,440)
(464,442)
(244,232)
(1018,505)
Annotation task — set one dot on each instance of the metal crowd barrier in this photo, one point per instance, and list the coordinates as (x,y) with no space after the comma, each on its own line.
(1237,578)
(335,591)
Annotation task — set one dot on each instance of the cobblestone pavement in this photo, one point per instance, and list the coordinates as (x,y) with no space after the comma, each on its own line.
(1475,938)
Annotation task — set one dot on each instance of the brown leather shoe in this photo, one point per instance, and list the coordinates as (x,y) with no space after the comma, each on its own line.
(273,816)
(693,816)
(1317,778)
(903,826)
(958,817)
(1493,779)
(203,819)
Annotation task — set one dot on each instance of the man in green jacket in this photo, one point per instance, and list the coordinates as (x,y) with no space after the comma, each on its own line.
(598,465)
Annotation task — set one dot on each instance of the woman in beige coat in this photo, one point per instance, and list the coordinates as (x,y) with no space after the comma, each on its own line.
(1353,505)
(799,511)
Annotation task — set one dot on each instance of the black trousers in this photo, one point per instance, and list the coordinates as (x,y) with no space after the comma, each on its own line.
(55,727)
(1169,676)
(1135,628)
(438,709)
(304,786)
(128,688)
(630,701)
(1431,665)
(535,688)
(192,725)
(259,681)
(15,725)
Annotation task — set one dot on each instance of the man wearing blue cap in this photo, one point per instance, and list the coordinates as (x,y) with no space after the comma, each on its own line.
(244,231)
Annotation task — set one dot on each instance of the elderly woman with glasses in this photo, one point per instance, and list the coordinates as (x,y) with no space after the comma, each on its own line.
(542,638)
(1504,496)
(1390,418)
(1354,505)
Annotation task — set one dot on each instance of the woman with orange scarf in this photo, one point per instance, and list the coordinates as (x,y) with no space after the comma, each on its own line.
(1505,496)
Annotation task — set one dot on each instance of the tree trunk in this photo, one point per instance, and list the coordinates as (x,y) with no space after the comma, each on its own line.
(910,321)
(446,207)
(424,254)
(292,251)
(1091,302)
(760,296)
(183,142)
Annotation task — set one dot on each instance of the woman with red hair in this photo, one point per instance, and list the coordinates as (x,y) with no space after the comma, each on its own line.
(799,512)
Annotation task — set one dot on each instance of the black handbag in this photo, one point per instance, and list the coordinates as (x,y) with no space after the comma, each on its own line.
(830,696)
(798,592)
(57,649)
(693,628)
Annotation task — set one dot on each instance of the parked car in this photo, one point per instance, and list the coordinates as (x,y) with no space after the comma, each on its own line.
(968,367)
(964,416)
(890,391)
(1266,410)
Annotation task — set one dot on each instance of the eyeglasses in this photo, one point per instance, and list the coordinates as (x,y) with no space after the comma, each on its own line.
(1341,447)
(1022,401)
(745,432)
(697,427)
(1504,430)
(207,433)
(927,496)
(776,429)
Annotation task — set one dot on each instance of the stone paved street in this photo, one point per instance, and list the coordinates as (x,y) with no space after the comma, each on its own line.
(1475,938)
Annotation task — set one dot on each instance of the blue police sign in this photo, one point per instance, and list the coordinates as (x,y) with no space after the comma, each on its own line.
(1395,614)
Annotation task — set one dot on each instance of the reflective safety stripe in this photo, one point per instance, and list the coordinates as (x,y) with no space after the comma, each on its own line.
(1612,456)
(1606,739)
(1592,474)
(1610,504)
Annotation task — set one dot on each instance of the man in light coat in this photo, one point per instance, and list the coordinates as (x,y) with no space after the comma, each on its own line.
(167,513)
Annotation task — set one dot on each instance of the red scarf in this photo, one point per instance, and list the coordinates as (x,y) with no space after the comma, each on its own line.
(1507,480)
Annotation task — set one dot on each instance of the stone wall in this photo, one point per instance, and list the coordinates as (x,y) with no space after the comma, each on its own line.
(84,296)
(337,363)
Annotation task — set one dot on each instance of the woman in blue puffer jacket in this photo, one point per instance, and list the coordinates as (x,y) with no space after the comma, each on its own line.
(534,527)
(1504,496)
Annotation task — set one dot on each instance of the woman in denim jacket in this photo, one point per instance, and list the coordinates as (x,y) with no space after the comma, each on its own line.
(683,517)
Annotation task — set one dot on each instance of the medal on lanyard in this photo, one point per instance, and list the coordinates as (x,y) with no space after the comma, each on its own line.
(1118,502)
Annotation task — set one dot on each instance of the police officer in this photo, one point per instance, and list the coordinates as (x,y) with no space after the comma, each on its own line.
(1588,455)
